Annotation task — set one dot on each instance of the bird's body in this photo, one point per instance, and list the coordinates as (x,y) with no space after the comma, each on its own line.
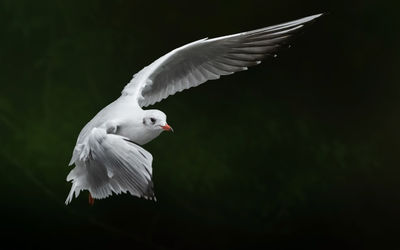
(107,154)
(119,112)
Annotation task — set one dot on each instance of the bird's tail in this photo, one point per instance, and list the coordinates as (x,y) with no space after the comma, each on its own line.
(109,164)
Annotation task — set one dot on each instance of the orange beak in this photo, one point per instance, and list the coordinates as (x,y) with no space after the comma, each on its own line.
(167,127)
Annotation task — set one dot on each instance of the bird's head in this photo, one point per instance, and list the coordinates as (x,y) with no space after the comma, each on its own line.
(156,120)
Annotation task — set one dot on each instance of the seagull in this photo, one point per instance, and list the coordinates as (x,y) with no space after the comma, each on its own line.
(108,156)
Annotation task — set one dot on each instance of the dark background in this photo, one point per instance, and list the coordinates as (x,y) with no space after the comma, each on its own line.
(301,151)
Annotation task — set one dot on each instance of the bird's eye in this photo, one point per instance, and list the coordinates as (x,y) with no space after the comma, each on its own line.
(153,120)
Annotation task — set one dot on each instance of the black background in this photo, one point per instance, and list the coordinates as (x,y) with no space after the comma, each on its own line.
(299,152)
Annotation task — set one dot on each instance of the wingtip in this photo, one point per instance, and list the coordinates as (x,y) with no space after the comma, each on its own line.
(312,17)
(306,20)
(319,15)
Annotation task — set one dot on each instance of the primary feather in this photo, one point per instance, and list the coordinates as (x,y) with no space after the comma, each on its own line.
(208,59)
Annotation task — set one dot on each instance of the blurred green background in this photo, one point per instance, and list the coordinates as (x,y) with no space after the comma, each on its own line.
(301,151)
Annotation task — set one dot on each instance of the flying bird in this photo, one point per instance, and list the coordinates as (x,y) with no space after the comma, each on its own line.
(108,157)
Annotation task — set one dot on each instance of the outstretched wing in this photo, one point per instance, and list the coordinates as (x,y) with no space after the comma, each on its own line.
(109,163)
(208,59)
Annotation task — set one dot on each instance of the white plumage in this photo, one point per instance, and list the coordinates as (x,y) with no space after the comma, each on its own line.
(107,155)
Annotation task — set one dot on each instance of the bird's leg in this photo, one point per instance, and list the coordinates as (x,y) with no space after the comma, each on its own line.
(91,200)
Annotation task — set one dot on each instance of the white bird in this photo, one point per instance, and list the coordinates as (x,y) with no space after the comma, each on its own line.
(107,155)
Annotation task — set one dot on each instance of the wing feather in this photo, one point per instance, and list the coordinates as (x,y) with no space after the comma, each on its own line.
(208,59)
(111,164)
